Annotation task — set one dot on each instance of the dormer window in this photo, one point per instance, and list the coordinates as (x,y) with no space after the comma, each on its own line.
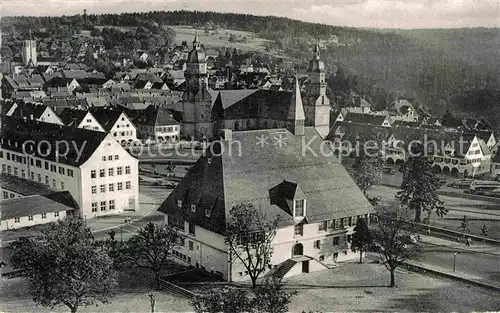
(193,207)
(207,212)
(179,203)
(299,208)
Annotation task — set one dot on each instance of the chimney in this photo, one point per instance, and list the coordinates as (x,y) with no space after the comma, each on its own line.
(227,134)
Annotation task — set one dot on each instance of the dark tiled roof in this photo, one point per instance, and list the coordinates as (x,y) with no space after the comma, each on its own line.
(106,117)
(70,115)
(27,109)
(365,118)
(18,132)
(249,176)
(31,205)
(24,187)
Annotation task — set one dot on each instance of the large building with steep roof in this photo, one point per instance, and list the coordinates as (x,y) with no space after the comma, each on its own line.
(98,172)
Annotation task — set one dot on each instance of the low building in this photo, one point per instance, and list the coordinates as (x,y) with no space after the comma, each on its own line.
(35,210)
(156,123)
(317,200)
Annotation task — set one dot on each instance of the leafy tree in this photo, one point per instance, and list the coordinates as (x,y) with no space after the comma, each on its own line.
(213,299)
(391,236)
(420,184)
(151,247)
(367,172)
(272,298)
(250,235)
(361,239)
(65,266)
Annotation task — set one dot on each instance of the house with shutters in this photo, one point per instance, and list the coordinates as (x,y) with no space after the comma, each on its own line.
(317,201)
(80,119)
(117,123)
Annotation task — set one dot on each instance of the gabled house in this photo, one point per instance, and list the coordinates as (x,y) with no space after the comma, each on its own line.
(117,123)
(371,119)
(80,119)
(402,109)
(156,124)
(317,201)
(32,111)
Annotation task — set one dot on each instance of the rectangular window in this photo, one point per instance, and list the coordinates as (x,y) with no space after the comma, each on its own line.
(32,176)
(336,241)
(54,182)
(70,173)
(104,158)
(192,228)
(111,171)
(193,207)
(31,161)
(15,171)
(8,156)
(44,215)
(119,170)
(116,157)
(38,163)
(46,165)
(92,174)
(299,230)
(47,180)
(110,158)
(56,214)
(30,217)
(299,208)
(321,258)
(9,169)
(3,167)
(61,170)
(111,204)
(39,178)
(103,205)
(94,189)
(208,212)
(62,185)
(111,187)
(191,245)
(94,207)
(17,220)
(102,172)
(5,195)
(127,170)
(323,225)
(53,168)
(349,221)
(103,188)
(127,185)
(119,186)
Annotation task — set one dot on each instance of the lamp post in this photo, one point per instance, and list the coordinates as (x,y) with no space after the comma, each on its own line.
(454,261)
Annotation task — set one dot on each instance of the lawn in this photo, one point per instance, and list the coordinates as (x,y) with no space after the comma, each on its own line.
(362,288)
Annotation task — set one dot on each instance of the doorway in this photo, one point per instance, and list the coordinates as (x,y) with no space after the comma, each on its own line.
(305,266)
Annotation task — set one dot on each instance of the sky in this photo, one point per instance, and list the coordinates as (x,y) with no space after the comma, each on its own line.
(353,13)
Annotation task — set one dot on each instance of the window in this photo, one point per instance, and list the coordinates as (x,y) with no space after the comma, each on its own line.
(8,156)
(111,204)
(179,203)
(3,167)
(61,170)
(39,178)
(102,173)
(104,158)
(54,182)
(12,195)
(208,212)
(94,207)
(191,245)
(336,241)
(111,171)
(112,187)
(299,208)
(17,220)
(15,171)
(92,174)
(5,195)
(70,173)
(56,214)
(119,186)
(189,259)
(323,225)
(350,221)
(192,228)
(119,170)
(30,217)
(335,255)
(32,174)
(127,169)
(110,158)
(317,244)
(299,230)
(103,188)
(193,207)
(116,157)
(38,163)
(321,258)
(44,215)
(103,205)
(46,165)
(94,189)
(62,185)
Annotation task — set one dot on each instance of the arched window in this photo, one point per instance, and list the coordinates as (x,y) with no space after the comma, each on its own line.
(298,249)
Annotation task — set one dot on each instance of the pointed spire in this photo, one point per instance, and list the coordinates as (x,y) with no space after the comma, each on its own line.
(30,35)
(195,41)
(296,107)
(316,50)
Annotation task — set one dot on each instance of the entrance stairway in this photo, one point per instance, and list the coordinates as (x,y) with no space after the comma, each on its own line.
(283,268)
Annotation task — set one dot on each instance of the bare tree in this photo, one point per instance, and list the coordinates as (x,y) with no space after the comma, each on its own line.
(151,247)
(250,235)
(393,235)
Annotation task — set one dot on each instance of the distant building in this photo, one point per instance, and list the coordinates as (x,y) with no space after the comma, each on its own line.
(29,54)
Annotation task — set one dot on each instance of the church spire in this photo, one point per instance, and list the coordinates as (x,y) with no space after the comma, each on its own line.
(296,114)
(316,53)
(196,43)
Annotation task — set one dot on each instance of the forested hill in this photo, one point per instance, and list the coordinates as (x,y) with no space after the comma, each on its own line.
(441,69)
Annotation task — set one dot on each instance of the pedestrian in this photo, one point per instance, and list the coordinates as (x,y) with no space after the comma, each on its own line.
(467,242)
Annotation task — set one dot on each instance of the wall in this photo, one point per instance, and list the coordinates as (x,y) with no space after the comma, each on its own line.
(25,222)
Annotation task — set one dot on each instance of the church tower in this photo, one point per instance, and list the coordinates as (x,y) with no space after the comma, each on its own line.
(296,115)
(197,100)
(317,105)
(28,52)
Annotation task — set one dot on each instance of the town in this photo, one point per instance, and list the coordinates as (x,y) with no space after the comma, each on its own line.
(204,176)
